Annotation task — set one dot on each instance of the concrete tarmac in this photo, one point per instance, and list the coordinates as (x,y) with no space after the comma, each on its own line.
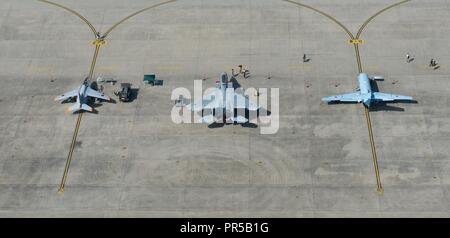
(131,160)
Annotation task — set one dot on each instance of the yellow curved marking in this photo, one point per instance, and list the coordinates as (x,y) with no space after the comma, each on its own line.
(361,29)
(99,42)
(356,41)
(324,14)
(134,14)
(74,12)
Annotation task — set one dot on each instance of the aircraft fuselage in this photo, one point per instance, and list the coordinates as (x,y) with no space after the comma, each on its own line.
(365,89)
(82,98)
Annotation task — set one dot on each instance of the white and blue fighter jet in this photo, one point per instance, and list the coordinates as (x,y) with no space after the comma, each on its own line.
(225,104)
(365,94)
(82,95)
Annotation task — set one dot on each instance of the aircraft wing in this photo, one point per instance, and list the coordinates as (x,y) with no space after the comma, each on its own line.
(241,102)
(209,101)
(96,94)
(387,97)
(349,97)
(67,95)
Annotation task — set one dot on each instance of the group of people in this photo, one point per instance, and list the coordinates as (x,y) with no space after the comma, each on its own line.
(433,62)
(409,59)
(244,72)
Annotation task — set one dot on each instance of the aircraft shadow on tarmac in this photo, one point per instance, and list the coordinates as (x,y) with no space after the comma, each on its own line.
(383,106)
(134,94)
(97,104)
(235,83)
(216,125)
(261,111)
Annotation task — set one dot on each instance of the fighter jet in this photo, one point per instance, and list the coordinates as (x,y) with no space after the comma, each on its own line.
(82,95)
(365,94)
(225,104)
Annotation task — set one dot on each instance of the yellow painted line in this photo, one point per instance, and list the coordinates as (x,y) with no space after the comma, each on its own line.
(77,127)
(374,152)
(136,13)
(358,58)
(361,29)
(356,41)
(324,14)
(73,12)
(98,42)
(69,157)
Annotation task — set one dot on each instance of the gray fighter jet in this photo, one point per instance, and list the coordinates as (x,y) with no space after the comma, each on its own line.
(82,95)
(225,104)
